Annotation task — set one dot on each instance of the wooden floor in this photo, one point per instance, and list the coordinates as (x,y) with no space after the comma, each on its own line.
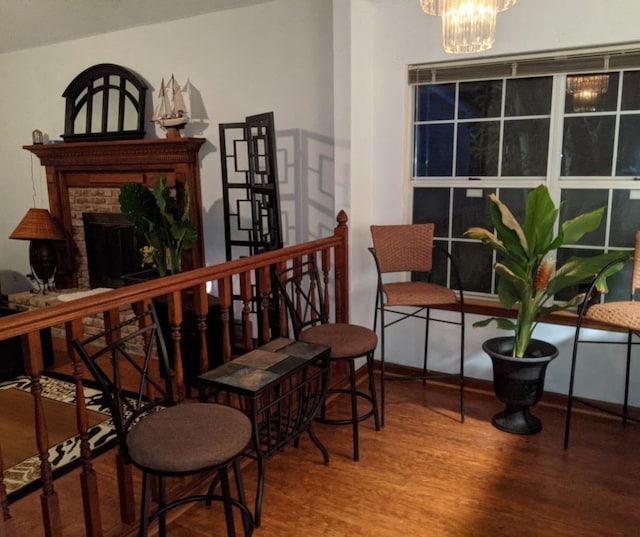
(426,474)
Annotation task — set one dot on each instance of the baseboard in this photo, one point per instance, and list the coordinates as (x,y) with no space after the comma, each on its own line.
(549,399)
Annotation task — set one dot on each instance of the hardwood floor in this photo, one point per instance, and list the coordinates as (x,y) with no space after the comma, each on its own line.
(426,474)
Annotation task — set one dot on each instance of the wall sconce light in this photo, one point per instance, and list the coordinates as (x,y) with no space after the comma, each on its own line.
(467,25)
(586,90)
(39,227)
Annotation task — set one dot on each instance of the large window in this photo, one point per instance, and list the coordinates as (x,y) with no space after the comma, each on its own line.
(577,131)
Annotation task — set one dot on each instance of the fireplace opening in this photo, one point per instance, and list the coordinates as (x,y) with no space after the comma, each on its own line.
(113,248)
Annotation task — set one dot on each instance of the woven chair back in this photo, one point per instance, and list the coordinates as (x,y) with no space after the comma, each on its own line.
(635,275)
(403,247)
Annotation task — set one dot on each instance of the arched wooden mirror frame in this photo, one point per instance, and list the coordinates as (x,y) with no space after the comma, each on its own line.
(105,102)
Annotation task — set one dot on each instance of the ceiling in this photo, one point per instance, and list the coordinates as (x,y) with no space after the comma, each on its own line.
(33,23)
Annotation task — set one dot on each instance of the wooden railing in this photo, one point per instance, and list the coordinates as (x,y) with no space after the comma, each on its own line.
(236,282)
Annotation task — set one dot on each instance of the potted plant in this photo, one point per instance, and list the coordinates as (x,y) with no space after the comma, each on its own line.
(528,280)
(166,226)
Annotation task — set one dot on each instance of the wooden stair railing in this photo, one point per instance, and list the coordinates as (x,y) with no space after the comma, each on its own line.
(332,258)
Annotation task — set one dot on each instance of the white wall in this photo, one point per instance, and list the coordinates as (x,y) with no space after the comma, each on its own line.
(275,56)
(403,35)
(334,73)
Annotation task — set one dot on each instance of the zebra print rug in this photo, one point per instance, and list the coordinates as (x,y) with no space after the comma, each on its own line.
(24,476)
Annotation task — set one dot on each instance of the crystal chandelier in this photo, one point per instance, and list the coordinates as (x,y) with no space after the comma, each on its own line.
(467,25)
(586,89)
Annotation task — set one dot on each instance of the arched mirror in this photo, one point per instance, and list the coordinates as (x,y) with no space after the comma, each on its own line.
(104,102)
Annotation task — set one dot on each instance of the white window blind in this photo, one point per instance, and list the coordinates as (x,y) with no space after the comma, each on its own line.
(549,63)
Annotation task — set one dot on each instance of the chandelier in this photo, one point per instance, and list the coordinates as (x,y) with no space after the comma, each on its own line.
(586,89)
(467,25)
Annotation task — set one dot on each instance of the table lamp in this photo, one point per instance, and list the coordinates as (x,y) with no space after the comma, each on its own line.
(39,227)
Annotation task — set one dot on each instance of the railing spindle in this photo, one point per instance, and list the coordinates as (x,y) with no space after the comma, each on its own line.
(88,477)
(254,273)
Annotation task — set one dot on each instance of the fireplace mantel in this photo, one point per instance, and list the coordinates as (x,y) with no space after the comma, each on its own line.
(108,165)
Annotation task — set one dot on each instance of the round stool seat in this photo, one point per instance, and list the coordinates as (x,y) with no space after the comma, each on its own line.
(188,437)
(345,340)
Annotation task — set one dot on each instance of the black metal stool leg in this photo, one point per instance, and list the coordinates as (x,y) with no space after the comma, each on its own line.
(260,490)
(567,423)
(162,500)
(226,500)
(426,345)
(625,407)
(247,523)
(354,410)
(382,359)
(372,390)
(461,366)
(144,506)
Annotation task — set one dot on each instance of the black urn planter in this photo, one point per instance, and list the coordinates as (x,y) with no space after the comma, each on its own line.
(518,382)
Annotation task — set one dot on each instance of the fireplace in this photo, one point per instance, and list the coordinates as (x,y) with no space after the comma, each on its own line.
(113,248)
(85,177)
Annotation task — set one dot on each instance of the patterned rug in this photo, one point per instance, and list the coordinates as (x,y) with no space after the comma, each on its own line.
(17,432)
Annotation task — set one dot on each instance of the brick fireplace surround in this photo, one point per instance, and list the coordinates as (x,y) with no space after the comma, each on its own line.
(86,177)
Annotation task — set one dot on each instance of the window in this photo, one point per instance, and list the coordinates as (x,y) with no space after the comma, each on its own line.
(507,126)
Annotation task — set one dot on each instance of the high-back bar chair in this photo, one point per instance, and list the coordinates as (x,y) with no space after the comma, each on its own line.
(621,315)
(398,250)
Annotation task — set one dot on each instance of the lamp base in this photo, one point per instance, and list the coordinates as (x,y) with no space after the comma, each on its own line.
(43,261)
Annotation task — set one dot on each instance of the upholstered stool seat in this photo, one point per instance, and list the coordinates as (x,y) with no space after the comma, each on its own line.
(345,340)
(189,437)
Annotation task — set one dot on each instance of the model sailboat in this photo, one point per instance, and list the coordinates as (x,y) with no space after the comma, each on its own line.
(171,112)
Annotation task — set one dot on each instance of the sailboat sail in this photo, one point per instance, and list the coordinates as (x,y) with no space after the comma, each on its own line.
(171,110)
(178,101)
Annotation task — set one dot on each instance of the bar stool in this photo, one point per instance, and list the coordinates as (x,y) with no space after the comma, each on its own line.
(619,314)
(408,248)
(302,292)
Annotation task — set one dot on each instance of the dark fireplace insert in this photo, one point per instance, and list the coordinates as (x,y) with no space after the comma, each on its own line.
(113,248)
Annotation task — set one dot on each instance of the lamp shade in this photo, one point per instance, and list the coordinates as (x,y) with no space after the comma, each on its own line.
(37,224)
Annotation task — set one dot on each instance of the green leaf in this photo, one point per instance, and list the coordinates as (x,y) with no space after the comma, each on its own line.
(501,323)
(575,228)
(559,306)
(577,270)
(507,228)
(486,237)
(156,213)
(138,206)
(539,221)
(511,287)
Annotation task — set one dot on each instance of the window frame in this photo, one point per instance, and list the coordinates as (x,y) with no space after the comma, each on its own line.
(559,66)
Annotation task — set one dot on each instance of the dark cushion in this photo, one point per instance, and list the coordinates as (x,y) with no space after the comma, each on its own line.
(188,437)
(345,340)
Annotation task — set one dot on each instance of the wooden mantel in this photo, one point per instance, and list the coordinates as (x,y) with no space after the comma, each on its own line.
(109,164)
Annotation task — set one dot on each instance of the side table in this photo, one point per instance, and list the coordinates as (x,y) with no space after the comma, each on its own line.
(281,386)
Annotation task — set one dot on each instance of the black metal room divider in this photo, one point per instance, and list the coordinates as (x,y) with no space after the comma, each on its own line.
(250,196)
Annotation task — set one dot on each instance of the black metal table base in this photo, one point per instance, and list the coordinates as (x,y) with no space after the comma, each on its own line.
(281,386)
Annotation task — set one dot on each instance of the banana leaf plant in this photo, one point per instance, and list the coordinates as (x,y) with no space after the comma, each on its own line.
(527,276)
(156,214)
